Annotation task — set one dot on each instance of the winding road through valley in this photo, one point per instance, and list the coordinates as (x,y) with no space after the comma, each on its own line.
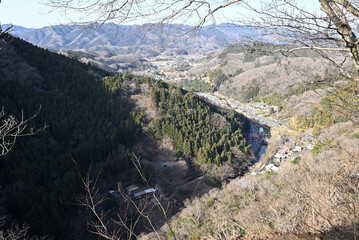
(247,110)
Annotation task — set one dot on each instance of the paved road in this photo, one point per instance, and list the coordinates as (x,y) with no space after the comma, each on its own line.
(247,110)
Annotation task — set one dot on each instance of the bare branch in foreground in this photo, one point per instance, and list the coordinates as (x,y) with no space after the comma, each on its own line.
(120,222)
(12,128)
(6,30)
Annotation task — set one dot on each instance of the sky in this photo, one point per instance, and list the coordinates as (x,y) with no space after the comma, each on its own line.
(27,13)
(32,14)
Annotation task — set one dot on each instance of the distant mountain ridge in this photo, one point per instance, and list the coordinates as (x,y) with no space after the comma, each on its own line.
(18,29)
(121,38)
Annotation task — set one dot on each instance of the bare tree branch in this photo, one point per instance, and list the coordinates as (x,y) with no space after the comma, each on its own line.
(120,223)
(348,6)
(12,128)
(2,32)
(98,12)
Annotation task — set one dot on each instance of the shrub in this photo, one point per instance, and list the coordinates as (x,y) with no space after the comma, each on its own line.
(318,148)
(296,160)
(237,72)
(270,174)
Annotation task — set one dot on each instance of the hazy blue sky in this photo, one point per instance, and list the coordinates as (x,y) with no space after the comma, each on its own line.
(26,13)
(30,13)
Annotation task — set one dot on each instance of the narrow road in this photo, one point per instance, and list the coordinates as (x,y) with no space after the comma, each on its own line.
(247,110)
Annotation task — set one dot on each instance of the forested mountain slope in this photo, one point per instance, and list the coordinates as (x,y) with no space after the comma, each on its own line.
(94,120)
(87,121)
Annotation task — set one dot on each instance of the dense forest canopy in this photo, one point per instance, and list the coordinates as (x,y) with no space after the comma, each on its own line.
(87,121)
(187,120)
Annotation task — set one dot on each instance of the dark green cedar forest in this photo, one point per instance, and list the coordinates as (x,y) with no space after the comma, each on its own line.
(87,121)
(186,120)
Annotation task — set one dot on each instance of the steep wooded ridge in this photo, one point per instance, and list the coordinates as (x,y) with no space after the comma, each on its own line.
(86,123)
(94,120)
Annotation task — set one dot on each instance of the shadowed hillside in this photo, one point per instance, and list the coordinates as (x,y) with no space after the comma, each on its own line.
(86,123)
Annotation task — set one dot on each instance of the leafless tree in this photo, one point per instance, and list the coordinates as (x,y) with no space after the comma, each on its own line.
(12,128)
(120,223)
(18,233)
(328,28)
(161,12)
(325,26)
(3,31)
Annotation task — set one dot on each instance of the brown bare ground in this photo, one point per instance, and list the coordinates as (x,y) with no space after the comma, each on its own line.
(145,103)
(304,104)
(314,199)
(218,121)
(271,235)
(279,77)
